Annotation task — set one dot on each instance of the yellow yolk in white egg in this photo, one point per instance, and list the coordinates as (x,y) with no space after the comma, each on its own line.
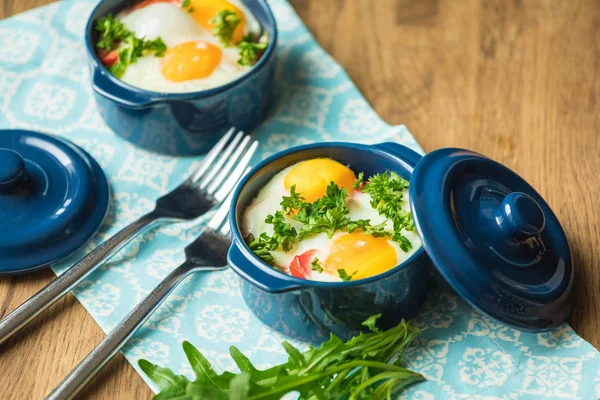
(205,10)
(360,255)
(190,60)
(195,60)
(313,176)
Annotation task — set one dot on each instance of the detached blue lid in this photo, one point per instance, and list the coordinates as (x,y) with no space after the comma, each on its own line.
(493,238)
(53,198)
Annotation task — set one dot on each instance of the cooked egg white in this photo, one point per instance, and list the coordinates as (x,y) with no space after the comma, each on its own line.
(356,253)
(195,60)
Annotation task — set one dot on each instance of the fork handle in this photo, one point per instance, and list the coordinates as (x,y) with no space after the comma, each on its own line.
(97,358)
(60,286)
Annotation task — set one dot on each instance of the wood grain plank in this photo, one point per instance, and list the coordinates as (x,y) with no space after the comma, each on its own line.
(516,80)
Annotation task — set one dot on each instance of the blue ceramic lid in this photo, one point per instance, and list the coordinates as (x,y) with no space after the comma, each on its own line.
(53,198)
(493,238)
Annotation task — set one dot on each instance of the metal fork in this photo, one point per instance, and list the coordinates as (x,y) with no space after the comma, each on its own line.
(207,253)
(199,193)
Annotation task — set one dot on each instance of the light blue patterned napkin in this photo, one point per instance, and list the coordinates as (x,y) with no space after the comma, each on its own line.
(464,355)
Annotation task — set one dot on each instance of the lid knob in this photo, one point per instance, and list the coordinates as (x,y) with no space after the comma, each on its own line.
(520,216)
(12,166)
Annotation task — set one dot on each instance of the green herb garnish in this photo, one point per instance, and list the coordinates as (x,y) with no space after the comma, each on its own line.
(133,48)
(329,214)
(225,23)
(359,180)
(186,3)
(344,275)
(250,50)
(113,31)
(363,368)
(386,191)
(129,48)
(284,236)
(315,266)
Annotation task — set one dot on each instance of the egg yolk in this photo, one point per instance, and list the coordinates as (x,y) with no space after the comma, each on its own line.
(205,10)
(313,176)
(360,254)
(190,60)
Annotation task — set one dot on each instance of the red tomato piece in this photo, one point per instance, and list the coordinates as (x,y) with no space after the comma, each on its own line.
(145,3)
(108,58)
(300,265)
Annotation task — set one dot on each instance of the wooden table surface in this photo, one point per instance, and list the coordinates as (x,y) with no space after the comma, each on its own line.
(516,80)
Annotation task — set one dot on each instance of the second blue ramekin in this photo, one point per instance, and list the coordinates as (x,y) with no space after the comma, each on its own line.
(182,123)
(311,310)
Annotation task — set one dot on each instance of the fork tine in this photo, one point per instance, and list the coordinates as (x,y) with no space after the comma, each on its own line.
(223,173)
(219,219)
(237,173)
(210,157)
(216,168)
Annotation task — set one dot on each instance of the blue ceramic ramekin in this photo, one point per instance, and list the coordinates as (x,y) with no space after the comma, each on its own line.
(310,310)
(182,123)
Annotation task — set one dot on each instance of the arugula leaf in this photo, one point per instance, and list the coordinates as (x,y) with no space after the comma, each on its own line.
(314,265)
(371,323)
(344,275)
(365,367)
(163,377)
(225,23)
(250,50)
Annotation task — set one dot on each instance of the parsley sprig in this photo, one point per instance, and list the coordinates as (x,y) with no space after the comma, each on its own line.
(113,31)
(250,47)
(386,191)
(225,23)
(344,275)
(129,48)
(315,265)
(250,50)
(329,214)
(365,367)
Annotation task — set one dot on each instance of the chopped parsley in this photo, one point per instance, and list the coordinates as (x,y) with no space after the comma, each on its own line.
(225,23)
(133,48)
(250,50)
(128,47)
(329,214)
(315,266)
(186,4)
(386,191)
(344,275)
(113,31)
(359,180)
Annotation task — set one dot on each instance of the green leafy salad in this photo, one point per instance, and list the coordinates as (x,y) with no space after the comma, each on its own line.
(367,367)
